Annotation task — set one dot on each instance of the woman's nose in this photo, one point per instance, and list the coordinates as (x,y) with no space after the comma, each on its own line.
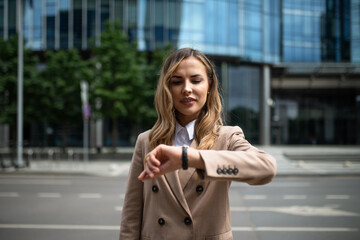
(187,88)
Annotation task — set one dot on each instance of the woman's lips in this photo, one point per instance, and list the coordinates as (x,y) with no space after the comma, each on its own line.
(188,101)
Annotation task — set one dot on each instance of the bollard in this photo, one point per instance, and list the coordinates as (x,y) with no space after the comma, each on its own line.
(70,153)
(51,154)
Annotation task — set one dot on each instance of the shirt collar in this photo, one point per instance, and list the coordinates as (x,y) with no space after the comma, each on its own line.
(190,127)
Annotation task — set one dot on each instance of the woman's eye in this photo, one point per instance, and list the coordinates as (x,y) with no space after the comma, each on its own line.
(195,81)
(176,82)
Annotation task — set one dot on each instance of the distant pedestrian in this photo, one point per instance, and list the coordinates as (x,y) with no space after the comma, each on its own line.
(182,168)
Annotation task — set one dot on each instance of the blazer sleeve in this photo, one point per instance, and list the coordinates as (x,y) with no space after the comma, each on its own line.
(131,220)
(239,161)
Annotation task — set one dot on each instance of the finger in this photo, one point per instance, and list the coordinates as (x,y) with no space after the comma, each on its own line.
(150,168)
(142,175)
(153,159)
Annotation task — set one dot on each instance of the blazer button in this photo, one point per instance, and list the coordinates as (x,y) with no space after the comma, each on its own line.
(219,171)
(161,221)
(199,189)
(230,171)
(187,221)
(236,171)
(224,170)
(155,189)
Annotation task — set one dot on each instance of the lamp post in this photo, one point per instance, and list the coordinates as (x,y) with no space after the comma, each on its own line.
(86,113)
(20,84)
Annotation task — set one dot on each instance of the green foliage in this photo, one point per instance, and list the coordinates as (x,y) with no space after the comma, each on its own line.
(120,84)
(152,74)
(9,83)
(120,80)
(61,78)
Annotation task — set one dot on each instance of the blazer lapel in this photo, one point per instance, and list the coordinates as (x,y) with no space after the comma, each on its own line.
(174,183)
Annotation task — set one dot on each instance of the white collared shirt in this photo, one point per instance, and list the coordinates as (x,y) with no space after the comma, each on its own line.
(184,135)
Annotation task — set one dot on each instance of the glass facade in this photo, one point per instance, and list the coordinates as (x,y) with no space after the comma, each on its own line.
(268,31)
(241,36)
(1,18)
(243,100)
(322,116)
(64,8)
(355,31)
(316,30)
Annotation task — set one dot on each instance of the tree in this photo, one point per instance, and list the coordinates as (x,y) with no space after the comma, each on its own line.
(32,106)
(62,77)
(120,84)
(152,74)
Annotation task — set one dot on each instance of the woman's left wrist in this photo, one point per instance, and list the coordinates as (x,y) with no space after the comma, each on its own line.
(194,158)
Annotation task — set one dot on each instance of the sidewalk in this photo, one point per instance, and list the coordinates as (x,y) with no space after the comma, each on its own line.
(291,161)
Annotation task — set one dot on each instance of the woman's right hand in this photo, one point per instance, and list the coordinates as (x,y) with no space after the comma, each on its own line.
(161,160)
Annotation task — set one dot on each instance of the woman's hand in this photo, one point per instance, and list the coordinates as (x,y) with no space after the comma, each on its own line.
(161,160)
(164,159)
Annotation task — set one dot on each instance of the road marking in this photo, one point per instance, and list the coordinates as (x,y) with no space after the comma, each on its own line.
(294,197)
(255,197)
(337,197)
(90,195)
(34,182)
(325,211)
(289,184)
(118,208)
(63,227)
(122,196)
(49,195)
(117,228)
(294,229)
(9,194)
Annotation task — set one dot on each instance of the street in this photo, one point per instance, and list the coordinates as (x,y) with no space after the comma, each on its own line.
(84,207)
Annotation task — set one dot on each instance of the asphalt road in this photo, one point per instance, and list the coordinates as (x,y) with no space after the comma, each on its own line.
(82,207)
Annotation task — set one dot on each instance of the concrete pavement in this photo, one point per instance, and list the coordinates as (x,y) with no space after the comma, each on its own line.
(291,161)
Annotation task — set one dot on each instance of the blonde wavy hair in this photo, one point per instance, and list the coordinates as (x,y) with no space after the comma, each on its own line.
(209,120)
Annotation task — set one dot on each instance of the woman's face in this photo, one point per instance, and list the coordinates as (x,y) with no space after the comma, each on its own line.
(189,86)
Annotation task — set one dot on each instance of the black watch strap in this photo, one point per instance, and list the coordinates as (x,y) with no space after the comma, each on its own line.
(184,158)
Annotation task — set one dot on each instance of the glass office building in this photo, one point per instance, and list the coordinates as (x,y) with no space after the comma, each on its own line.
(289,69)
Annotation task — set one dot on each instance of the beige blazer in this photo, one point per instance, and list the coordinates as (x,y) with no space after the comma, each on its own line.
(196,204)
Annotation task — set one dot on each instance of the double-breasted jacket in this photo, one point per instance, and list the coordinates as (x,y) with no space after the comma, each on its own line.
(193,204)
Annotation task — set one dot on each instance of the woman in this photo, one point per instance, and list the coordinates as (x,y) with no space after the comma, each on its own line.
(180,192)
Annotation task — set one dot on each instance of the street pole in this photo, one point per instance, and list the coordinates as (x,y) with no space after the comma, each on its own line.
(86,114)
(20,84)
(265,119)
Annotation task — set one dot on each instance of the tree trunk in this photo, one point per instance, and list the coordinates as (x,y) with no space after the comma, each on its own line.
(134,133)
(114,132)
(46,140)
(64,135)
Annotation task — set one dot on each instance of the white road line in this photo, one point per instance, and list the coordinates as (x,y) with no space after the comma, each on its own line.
(255,197)
(325,211)
(117,228)
(289,184)
(337,197)
(294,229)
(49,195)
(294,197)
(9,194)
(63,227)
(90,195)
(34,182)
